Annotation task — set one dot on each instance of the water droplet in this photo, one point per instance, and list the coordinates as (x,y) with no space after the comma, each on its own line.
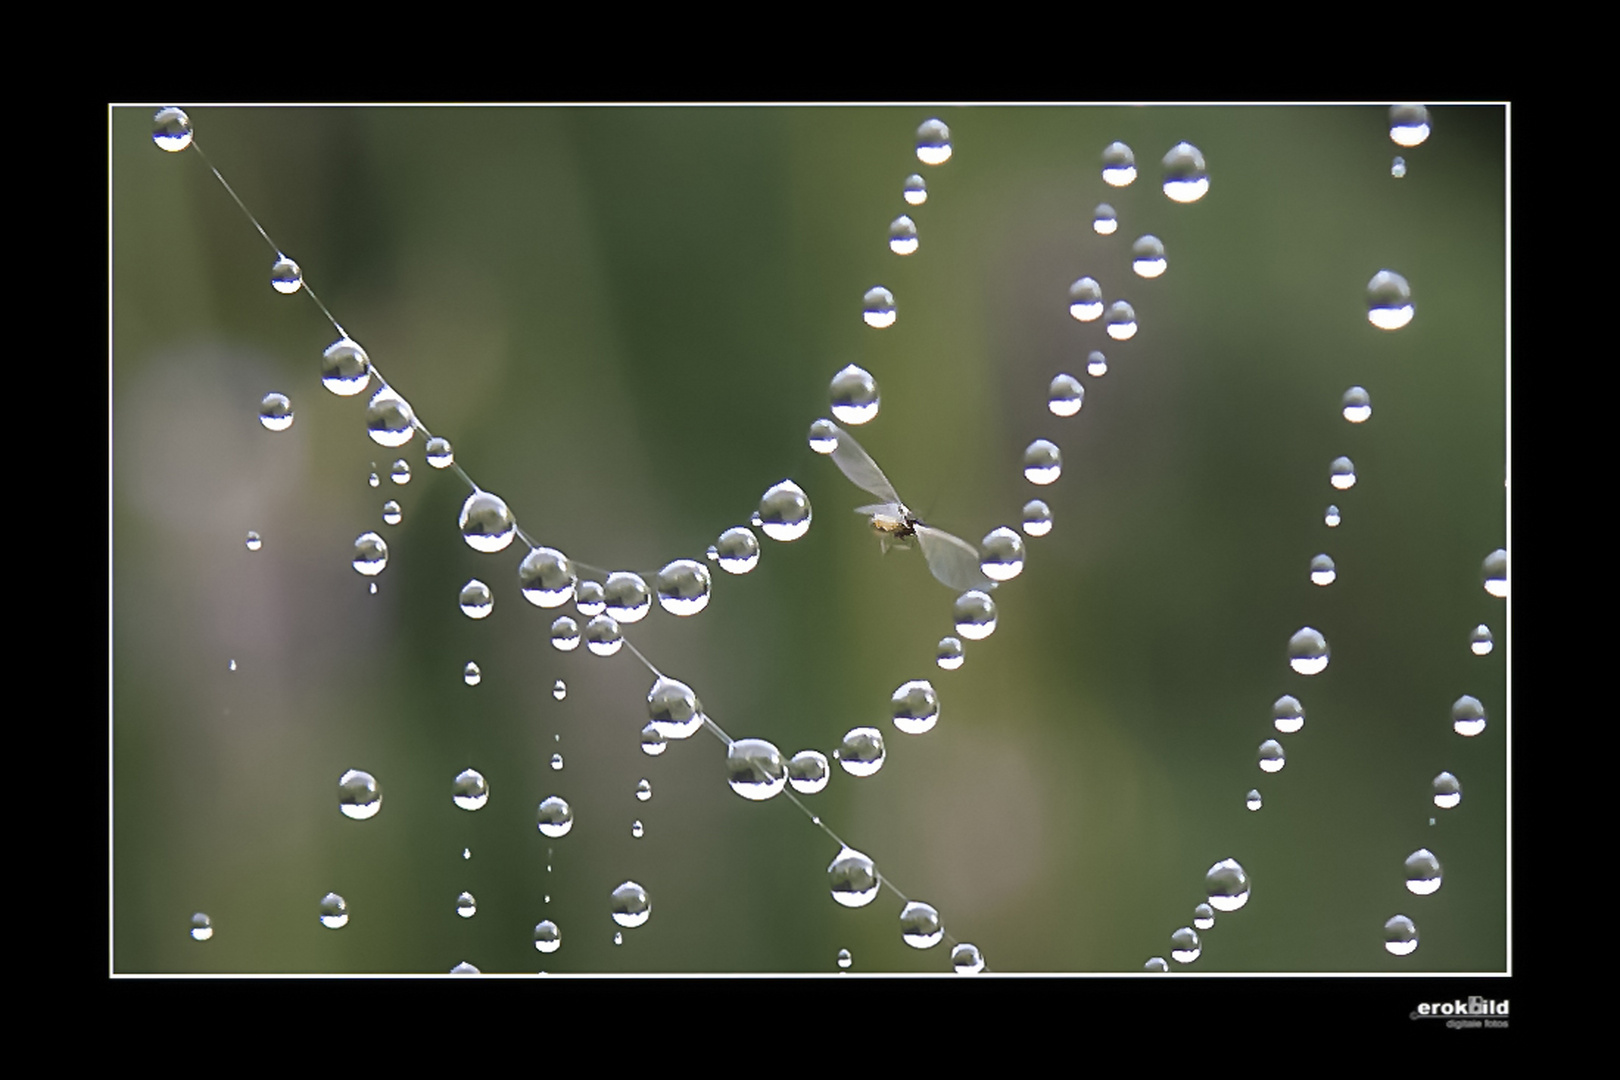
(823,436)
(391,514)
(466,907)
(1467,716)
(1252,800)
(276,412)
(652,740)
(1397,168)
(1422,872)
(1186,177)
(547,938)
(486,524)
(1118,164)
(784,511)
(1447,791)
(603,636)
(1271,756)
(1156,964)
(564,634)
(370,554)
(1096,364)
(1331,518)
(345,368)
(546,577)
(373,588)
(400,471)
(254,543)
(920,926)
(683,587)
(559,690)
(1494,573)
(1288,715)
(933,142)
(854,396)
(466,853)
(471,674)
(1203,917)
(1322,570)
(1003,557)
(844,959)
(914,190)
(285,276)
(372,480)
(1408,124)
(440,455)
(877,307)
(737,550)
(966,959)
(673,708)
(232,665)
(618,938)
(853,877)
(1037,518)
(1342,473)
(1086,299)
(1389,301)
(643,790)
(975,615)
(862,752)
(1147,256)
(626,596)
(1357,405)
(755,769)
(1400,936)
(902,235)
(555,817)
(476,599)
(630,905)
(808,771)
(949,655)
(1184,946)
(1480,642)
(556,762)
(1227,885)
(202,927)
(915,707)
(390,421)
(1121,320)
(470,791)
(464,968)
(1104,220)
(1043,462)
(1065,396)
(334,911)
(1308,651)
(637,829)
(171,130)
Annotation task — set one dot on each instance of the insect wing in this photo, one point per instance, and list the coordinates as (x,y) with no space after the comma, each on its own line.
(862,471)
(952,560)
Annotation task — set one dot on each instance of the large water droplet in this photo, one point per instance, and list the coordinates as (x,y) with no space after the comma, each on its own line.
(627,597)
(546,577)
(1408,124)
(1287,714)
(1043,462)
(1389,301)
(345,368)
(877,307)
(439,453)
(564,634)
(1494,573)
(808,771)
(737,550)
(276,412)
(1356,405)
(673,708)
(949,653)
(1308,651)
(472,675)
(854,396)
(466,907)
(370,554)
(1400,936)
(391,513)
(1096,364)
(1003,557)
(334,911)
(1121,320)
(171,131)
(853,877)
(784,511)
(629,905)
(1118,164)
(470,791)
(933,142)
(862,752)
(755,769)
(1447,791)
(555,817)
(902,235)
(1065,396)
(1186,177)
(1037,518)
(1086,299)
(476,600)
(915,707)
(1271,756)
(1323,571)
(920,926)
(914,190)
(1422,872)
(1103,220)
(1467,716)
(1227,885)
(547,938)
(486,524)
(975,615)
(285,276)
(359,795)
(1480,642)
(603,636)
(1147,256)
(683,587)
(966,959)
(1184,945)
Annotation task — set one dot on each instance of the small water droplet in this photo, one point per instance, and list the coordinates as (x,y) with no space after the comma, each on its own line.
(784,511)
(547,938)
(171,131)
(1308,651)
(400,471)
(440,455)
(466,853)
(464,968)
(1065,396)
(1252,800)
(202,927)
(555,817)
(1287,714)
(1480,642)
(232,665)
(556,762)
(603,636)
(1400,936)
(1323,571)
(564,634)
(673,708)
(844,959)
(914,190)
(966,959)
(626,596)
(755,769)
(1331,517)
(1271,756)
(975,615)
(391,513)
(1184,945)
(920,926)
(559,690)
(823,439)
(546,577)
(652,740)
(808,771)
(1043,462)
(861,752)
(334,911)
(1467,716)
(1389,301)
(1227,885)
(1118,165)
(854,397)
(1156,964)
(1408,124)
(471,674)
(1494,573)
(372,480)
(1422,872)
(737,550)
(643,790)
(345,368)
(373,588)
(637,829)
(1086,299)
(1397,168)
(390,420)
(476,599)
(285,276)
(618,938)
(1342,473)
(1447,791)
(1203,917)
(370,554)
(902,235)
(470,791)
(915,707)
(1121,320)
(629,905)
(933,142)
(1186,177)
(1147,256)
(1104,220)
(949,654)
(466,907)
(877,307)
(486,524)
(276,412)
(1357,405)
(254,543)
(683,587)
(1096,364)
(853,877)
(1003,554)
(1037,518)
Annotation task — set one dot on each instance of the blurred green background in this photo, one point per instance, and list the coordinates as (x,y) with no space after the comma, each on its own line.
(625,320)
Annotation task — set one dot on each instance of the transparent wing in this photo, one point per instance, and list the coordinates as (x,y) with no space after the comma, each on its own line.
(954,561)
(858,465)
(892,511)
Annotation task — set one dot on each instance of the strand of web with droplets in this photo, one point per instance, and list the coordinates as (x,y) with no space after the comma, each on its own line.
(548,580)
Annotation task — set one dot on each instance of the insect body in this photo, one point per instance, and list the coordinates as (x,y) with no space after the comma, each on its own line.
(952,560)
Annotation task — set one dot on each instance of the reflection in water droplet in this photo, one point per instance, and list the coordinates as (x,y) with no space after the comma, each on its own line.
(853,877)
(933,142)
(629,905)
(391,513)
(854,396)
(1184,945)
(1104,220)
(915,707)
(486,524)
(975,615)
(276,412)
(345,368)
(1480,642)
(1308,651)
(1003,557)
(920,926)
(966,959)
(755,769)
(556,762)
(285,276)
(1389,301)
(1252,800)
(1156,964)
(652,740)
(546,577)
(1043,462)
(1408,124)
(1118,164)
(844,959)
(466,906)
(1447,791)
(877,307)
(673,708)
(470,790)
(737,550)
(1397,168)
(1037,518)
(1186,177)
(202,927)
(683,587)
(1467,716)
(334,911)
(1342,473)
(254,543)
(1287,714)
(564,634)
(555,817)
(476,600)
(784,511)
(915,190)
(1121,320)
(1357,405)
(440,455)
(809,772)
(1495,573)
(389,419)
(823,436)
(1147,256)
(1065,396)
(626,596)
(547,938)
(1322,570)
(171,131)
(1422,872)
(359,795)
(902,235)
(1331,517)
(1400,936)
(603,636)
(1086,299)
(472,675)
(949,653)
(1227,885)
(862,752)
(1271,756)
(370,554)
